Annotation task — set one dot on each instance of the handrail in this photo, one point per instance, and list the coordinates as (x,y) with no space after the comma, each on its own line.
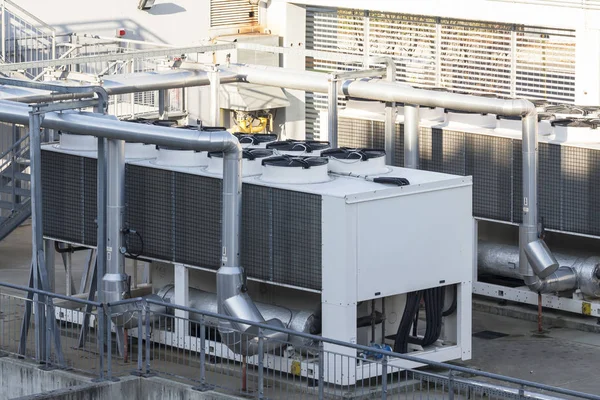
(15,144)
(50,294)
(419,360)
(29,15)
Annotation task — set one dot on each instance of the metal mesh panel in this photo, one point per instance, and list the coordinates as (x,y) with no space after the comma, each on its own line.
(257,232)
(63,196)
(581,191)
(197,220)
(549,186)
(489,161)
(517,183)
(297,235)
(150,197)
(90,201)
(442,151)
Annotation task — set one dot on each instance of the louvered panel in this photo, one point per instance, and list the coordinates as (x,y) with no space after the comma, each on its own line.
(468,56)
(476,54)
(584,4)
(232,12)
(545,64)
(409,40)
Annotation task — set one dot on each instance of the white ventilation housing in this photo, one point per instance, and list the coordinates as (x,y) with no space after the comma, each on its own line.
(461,118)
(140,151)
(256,140)
(251,161)
(575,131)
(294,170)
(308,148)
(72,142)
(181,158)
(356,161)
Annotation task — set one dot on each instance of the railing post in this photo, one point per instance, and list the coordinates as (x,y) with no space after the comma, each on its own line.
(203,385)
(384,365)
(451,385)
(261,367)
(202,351)
(140,341)
(522,391)
(147,336)
(48,346)
(4,31)
(101,314)
(108,342)
(321,370)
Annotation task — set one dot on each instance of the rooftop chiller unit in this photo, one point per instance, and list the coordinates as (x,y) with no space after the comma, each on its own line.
(346,245)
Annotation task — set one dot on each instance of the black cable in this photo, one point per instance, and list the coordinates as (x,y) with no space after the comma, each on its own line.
(126,233)
(452,309)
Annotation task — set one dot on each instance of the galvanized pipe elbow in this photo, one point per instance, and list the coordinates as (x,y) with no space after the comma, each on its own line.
(565,278)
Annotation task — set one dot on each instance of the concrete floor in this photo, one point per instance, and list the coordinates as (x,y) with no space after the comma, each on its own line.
(560,357)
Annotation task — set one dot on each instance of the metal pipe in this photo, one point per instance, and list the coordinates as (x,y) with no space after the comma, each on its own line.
(394,92)
(332,111)
(215,87)
(503,260)
(297,320)
(115,279)
(230,282)
(411,136)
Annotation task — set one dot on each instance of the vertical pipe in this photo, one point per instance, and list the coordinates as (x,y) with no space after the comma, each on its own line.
(262,13)
(162,109)
(4,33)
(35,154)
(332,111)
(411,136)
(115,278)
(528,231)
(229,276)
(215,86)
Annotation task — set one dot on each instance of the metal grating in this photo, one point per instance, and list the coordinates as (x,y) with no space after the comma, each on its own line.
(489,162)
(567,180)
(63,196)
(232,12)
(297,238)
(179,218)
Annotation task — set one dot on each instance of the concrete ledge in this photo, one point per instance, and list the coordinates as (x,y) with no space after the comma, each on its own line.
(22,380)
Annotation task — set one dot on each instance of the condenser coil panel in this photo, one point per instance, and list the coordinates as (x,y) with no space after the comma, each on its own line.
(567,181)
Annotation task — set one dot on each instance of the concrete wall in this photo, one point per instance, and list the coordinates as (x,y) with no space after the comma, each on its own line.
(20,378)
(24,380)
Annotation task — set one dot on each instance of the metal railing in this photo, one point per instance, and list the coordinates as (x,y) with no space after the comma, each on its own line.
(25,37)
(147,337)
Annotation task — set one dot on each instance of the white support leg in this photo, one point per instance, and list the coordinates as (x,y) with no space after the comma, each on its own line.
(181,298)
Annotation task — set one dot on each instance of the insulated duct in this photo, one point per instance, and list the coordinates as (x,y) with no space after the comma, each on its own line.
(303,321)
(575,272)
(231,291)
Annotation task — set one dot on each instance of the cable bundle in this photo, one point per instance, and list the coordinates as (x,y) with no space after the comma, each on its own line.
(434,312)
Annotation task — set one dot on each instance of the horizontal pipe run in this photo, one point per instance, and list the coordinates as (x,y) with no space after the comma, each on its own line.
(377,90)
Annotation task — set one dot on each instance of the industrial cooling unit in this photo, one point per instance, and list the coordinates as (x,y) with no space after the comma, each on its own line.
(342,248)
(488,148)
